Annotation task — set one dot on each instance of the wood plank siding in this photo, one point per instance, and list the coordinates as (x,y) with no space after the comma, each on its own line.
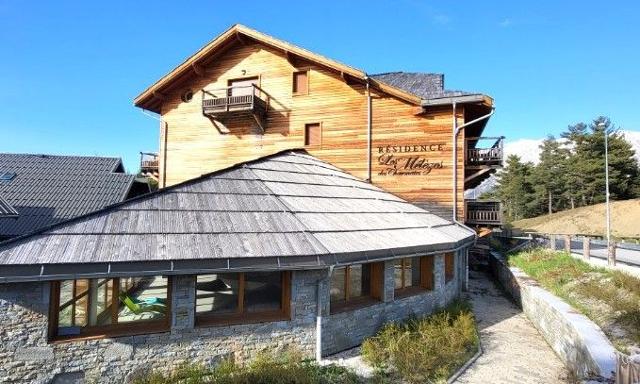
(190,143)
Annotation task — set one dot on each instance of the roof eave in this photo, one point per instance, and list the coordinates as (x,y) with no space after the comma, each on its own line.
(148,99)
(71,271)
(465,99)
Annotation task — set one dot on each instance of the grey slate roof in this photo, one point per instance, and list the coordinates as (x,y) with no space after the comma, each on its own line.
(6,210)
(49,189)
(425,85)
(288,210)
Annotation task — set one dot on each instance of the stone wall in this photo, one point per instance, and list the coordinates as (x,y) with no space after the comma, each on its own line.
(348,329)
(580,344)
(26,356)
(25,352)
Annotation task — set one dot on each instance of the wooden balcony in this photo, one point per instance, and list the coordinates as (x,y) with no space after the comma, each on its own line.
(483,213)
(236,102)
(149,165)
(482,161)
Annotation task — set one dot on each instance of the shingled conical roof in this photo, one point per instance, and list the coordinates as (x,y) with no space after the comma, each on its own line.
(288,210)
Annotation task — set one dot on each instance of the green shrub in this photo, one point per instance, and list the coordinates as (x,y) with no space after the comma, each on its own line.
(265,369)
(425,350)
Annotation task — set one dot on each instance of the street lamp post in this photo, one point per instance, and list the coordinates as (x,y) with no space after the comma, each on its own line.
(611,259)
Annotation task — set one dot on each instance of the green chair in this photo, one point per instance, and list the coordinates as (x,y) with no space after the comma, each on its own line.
(139,307)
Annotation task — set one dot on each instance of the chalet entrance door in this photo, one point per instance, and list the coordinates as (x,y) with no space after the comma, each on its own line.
(242,87)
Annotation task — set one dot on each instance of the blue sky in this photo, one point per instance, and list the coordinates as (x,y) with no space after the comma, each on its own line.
(70,70)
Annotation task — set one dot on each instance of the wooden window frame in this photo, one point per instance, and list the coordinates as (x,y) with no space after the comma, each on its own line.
(242,317)
(376,289)
(293,82)
(426,264)
(449,267)
(313,146)
(103,331)
(242,78)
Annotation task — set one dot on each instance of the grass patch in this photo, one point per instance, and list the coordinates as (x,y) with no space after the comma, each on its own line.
(425,350)
(265,369)
(610,298)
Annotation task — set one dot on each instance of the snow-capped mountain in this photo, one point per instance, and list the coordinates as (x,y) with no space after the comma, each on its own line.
(529,150)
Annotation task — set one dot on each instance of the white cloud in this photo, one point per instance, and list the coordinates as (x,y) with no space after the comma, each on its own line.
(507,22)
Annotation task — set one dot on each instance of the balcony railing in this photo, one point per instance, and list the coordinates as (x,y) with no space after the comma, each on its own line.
(483,212)
(149,165)
(487,156)
(236,101)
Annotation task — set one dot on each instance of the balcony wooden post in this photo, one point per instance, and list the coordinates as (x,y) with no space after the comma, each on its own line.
(552,242)
(567,243)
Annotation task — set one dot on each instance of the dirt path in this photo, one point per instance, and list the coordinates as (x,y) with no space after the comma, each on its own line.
(514,351)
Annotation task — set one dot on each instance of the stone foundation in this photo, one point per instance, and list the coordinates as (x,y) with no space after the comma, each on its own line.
(26,356)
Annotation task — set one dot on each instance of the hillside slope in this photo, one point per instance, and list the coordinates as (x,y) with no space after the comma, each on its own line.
(625,220)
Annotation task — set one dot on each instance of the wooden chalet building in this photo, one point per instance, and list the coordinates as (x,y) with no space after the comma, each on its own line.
(291,213)
(246,95)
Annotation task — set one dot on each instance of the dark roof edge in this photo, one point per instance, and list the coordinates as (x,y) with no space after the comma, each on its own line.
(138,198)
(445,100)
(70,271)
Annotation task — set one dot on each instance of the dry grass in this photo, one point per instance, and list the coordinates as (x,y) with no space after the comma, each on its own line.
(588,220)
(287,368)
(610,298)
(424,350)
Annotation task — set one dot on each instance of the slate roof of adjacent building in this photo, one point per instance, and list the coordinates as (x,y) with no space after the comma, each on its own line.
(288,210)
(425,85)
(6,210)
(48,189)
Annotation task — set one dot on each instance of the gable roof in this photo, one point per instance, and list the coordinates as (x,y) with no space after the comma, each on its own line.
(6,210)
(49,189)
(151,98)
(288,210)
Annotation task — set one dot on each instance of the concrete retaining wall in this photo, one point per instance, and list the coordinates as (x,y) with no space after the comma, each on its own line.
(579,342)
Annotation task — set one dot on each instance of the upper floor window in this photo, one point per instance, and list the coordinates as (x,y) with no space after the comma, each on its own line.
(313,134)
(356,285)
(113,307)
(413,275)
(301,83)
(226,298)
(449,266)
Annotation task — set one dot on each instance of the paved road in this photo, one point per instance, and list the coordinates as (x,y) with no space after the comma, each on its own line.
(514,351)
(628,254)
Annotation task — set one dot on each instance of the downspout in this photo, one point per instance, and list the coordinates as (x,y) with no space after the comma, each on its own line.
(456,131)
(319,316)
(369,128)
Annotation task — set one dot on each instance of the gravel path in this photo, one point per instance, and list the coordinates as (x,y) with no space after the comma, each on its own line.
(513,350)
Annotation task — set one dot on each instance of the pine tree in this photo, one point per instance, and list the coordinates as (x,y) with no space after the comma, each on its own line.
(550,176)
(514,188)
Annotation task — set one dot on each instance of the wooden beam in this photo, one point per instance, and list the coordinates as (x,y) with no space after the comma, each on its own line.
(159,95)
(291,58)
(199,69)
(240,39)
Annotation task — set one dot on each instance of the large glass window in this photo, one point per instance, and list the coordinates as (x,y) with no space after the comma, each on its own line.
(355,285)
(87,307)
(242,297)
(413,275)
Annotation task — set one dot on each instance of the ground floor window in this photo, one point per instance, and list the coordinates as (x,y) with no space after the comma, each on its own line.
(226,298)
(356,285)
(449,266)
(413,275)
(118,306)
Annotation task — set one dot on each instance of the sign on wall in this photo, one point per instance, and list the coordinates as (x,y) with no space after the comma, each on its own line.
(409,160)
